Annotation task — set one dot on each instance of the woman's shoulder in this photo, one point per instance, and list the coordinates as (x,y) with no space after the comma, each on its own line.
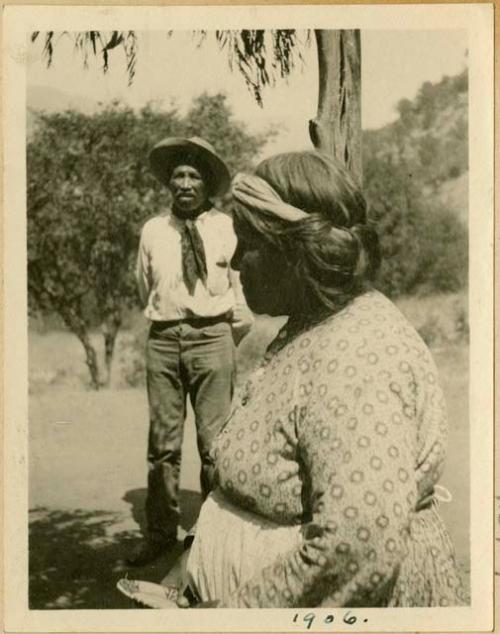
(371,324)
(374,305)
(370,310)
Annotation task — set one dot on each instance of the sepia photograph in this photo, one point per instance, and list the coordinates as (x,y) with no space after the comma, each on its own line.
(248,300)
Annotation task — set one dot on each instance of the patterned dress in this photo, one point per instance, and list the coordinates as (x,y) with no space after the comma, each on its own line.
(340,436)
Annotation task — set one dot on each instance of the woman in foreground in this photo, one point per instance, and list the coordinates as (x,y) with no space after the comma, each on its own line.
(327,465)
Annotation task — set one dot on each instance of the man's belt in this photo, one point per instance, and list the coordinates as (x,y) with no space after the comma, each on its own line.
(196,322)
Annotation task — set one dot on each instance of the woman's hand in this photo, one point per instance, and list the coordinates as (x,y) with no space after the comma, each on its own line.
(206,604)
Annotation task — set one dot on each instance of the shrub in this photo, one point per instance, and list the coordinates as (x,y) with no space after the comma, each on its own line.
(130,362)
(440,319)
(424,246)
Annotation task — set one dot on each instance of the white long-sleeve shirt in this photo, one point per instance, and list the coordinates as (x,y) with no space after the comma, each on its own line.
(162,290)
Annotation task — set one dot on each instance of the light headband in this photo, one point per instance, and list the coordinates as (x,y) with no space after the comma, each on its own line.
(254,192)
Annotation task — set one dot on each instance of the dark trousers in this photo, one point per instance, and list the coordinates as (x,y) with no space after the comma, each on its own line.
(188,358)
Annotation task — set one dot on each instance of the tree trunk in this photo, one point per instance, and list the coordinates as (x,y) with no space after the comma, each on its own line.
(336,130)
(91,360)
(110,327)
(78,327)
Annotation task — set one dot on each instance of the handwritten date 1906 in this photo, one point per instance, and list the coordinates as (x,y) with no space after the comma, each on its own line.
(311,617)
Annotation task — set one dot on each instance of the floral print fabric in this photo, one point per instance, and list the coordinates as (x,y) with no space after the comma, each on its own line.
(343,431)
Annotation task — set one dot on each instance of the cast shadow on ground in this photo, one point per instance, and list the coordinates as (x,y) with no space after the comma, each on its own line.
(76,557)
(190,502)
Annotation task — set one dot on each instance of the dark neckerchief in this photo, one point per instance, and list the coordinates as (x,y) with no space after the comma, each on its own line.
(194,261)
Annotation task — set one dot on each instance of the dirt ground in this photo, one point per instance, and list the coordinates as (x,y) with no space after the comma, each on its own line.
(87,488)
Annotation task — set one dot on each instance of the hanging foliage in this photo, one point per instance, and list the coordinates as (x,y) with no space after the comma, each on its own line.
(259,55)
(97,43)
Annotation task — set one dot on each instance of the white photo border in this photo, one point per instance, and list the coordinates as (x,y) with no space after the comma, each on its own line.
(18,23)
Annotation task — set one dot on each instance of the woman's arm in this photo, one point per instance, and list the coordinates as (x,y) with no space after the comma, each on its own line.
(356,450)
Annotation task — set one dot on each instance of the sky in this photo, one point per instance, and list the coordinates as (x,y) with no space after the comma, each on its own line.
(173,70)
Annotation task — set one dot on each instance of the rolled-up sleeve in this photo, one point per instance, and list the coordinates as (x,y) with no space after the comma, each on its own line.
(234,280)
(143,269)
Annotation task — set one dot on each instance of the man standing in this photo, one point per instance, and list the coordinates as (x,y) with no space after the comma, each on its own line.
(197,312)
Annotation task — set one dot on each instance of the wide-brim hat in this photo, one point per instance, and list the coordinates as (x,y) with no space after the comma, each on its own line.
(173,151)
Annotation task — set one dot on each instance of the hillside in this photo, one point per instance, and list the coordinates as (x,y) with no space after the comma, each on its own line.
(429,141)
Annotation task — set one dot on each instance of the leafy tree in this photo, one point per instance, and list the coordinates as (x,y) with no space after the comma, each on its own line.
(431,134)
(89,191)
(424,246)
(406,163)
(260,55)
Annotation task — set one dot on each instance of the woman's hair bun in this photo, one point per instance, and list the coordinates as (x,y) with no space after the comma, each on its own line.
(332,251)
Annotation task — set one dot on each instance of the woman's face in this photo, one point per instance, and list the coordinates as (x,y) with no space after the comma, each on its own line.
(265,276)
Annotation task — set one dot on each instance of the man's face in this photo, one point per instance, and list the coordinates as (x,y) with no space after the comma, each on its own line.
(188,188)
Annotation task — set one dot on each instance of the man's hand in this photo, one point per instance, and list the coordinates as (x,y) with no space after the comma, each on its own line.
(241,322)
